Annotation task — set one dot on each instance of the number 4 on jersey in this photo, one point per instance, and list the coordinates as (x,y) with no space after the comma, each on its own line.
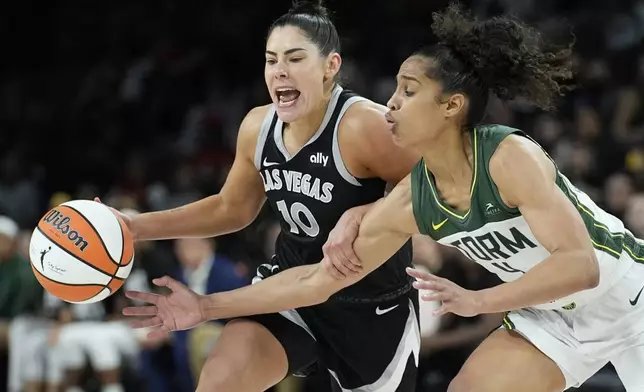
(294,219)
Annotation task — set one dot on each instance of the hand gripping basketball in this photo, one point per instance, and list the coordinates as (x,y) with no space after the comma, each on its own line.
(179,310)
(125,218)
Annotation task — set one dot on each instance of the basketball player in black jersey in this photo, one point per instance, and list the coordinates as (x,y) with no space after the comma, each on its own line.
(315,152)
(573,303)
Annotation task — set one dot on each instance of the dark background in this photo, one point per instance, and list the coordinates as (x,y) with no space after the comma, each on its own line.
(139,103)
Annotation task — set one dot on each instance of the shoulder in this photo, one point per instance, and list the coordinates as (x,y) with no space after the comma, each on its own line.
(366,141)
(517,152)
(253,120)
(520,166)
(250,128)
(496,133)
(364,116)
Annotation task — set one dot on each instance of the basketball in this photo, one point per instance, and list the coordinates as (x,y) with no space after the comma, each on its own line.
(81,252)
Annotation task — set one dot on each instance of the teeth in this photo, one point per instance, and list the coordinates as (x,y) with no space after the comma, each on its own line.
(286,94)
(280,91)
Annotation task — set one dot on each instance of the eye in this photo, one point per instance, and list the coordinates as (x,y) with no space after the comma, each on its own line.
(296,59)
(408,93)
(271,61)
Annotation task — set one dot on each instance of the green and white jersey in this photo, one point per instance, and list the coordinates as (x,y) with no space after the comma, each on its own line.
(499,238)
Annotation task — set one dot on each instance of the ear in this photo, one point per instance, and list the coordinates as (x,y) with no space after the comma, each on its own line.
(333,64)
(455,104)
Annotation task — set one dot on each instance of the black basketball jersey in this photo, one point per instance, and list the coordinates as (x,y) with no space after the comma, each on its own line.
(310,191)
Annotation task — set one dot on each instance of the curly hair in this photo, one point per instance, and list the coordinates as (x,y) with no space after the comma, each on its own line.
(501,55)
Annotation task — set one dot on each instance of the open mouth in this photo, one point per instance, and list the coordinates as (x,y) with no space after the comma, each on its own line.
(286,96)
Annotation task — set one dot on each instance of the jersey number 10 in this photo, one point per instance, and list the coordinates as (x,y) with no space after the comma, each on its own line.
(294,218)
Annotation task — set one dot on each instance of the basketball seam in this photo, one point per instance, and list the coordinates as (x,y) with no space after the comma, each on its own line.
(116,277)
(74,256)
(118,264)
(73,284)
(98,235)
(118,222)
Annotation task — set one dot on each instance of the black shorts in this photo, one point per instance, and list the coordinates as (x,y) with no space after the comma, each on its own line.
(364,347)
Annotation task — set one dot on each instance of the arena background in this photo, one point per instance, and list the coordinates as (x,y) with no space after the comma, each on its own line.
(139,103)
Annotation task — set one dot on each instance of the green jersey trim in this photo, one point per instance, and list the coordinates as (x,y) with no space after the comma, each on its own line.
(600,236)
(437,199)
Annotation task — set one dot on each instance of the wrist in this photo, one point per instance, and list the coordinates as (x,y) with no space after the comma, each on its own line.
(134,225)
(482,300)
(205,308)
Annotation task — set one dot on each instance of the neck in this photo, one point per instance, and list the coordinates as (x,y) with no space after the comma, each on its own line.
(303,129)
(448,157)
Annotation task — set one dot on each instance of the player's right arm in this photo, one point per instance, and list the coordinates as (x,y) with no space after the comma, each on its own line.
(384,230)
(232,209)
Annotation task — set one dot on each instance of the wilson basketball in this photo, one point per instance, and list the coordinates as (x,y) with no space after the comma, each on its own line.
(81,252)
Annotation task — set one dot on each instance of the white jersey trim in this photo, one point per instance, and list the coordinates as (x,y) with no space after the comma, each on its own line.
(335,147)
(394,372)
(279,126)
(263,135)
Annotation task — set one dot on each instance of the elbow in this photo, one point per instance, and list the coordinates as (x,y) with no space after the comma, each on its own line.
(593,278)
(591,270)
(238,217)
(243,219)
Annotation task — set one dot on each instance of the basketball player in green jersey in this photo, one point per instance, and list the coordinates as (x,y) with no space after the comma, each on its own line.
(573,274)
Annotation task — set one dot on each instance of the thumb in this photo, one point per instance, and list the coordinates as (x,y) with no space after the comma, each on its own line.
(168,282)
(96,199)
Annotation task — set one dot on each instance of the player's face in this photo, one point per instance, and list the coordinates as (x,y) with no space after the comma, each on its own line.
(417,111)
(296,73)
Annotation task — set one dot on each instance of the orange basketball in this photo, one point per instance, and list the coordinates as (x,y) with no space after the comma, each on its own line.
(81,252)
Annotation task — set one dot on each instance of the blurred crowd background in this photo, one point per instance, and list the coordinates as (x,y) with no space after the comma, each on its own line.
(139,103)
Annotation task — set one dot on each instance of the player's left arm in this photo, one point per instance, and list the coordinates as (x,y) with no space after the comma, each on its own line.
(368,151)
(525,177)
(384,230)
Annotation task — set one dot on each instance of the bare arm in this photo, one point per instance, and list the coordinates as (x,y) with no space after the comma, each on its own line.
(368,151)
(384,230)
(236,206)
(526,179)
(368,148)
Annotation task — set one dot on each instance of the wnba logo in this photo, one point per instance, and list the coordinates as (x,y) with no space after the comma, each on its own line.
(60,222)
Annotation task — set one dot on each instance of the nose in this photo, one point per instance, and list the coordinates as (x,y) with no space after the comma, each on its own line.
(393,103)
(280,72)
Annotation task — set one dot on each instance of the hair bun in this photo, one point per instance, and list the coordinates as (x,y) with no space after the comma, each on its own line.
(309,7)
(507,56)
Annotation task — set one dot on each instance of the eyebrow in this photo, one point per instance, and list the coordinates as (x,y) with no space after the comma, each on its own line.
(410,78)
(286,52)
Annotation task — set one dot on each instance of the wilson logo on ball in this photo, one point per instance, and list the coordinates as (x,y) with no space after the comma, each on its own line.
(60,222)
